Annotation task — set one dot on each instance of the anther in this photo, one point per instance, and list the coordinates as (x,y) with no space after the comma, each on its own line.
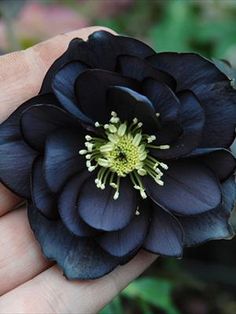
(92,168)
(160,182)
(164,146)
(88,138)
(116,195)
(83,152)
(164,166)
(151,138)
(143,193)
(113,114)
(88,163)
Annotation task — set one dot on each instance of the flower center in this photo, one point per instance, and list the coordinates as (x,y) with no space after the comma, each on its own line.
(123,155)
(122,150)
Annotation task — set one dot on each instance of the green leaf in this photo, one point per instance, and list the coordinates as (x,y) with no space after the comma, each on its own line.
(115,307)
(156,292)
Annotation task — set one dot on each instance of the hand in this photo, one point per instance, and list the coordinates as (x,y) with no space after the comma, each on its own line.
(28,282)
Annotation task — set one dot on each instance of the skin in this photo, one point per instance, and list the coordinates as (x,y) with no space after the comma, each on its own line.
(29,283)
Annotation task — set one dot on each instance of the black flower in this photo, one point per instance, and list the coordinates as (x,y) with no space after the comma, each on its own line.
(123,149)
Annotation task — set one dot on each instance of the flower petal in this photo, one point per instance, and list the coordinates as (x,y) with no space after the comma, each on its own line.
(63,86)
(214,224)
(96,53)
(99,210)
(62,158)
(15,165)
(70,55)
(163,99)
(17,157)
(39,121)
(129,104)
(165,234)
(221,161)
(80,258)
(129,239)
(189,69)
(101,43)
(139,69)
(167,105)
(98,81)
(212,88)
(102,48)
(97,50)
(192,119)
(218,101)
(189,188)
(68,206)
(42,197)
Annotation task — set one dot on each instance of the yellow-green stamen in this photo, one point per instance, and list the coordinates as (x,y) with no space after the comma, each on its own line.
(122,151)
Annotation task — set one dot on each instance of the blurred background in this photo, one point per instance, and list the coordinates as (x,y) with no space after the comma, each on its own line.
(204,282)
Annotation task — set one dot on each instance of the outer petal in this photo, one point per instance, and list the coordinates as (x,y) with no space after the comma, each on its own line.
(129,104)
(98,81)
(70,55)
(15,166)
(62,158)
(139,69)
(221,161)
(17,157)
(125,241)
(189,69)
(189,188)
(219,103)
(39,121)
(42,197)
(68,206)
(63,86)
(165,236)
(192,119)
(99,210)
(214,224)
(212,88)
(80,258)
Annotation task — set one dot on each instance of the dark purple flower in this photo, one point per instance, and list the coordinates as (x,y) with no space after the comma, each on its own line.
(123,148)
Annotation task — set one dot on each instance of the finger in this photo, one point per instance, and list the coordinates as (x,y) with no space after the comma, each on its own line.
(21,76)
(22,72)
(20,256)
(7,200)
(50,292)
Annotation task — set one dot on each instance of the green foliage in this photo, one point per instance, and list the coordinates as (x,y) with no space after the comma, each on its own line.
(156,292)
(207,27)
(148,293)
